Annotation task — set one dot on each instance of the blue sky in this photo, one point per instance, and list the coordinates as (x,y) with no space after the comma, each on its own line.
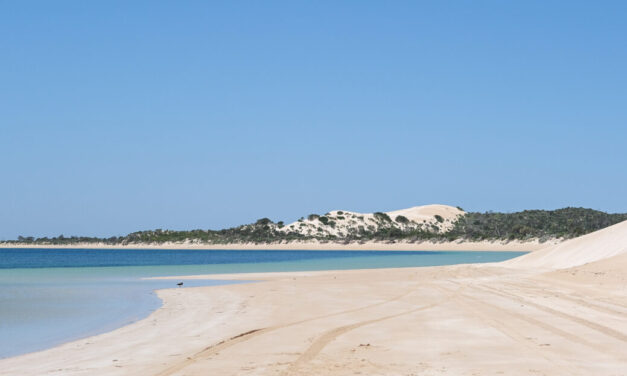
(122,116)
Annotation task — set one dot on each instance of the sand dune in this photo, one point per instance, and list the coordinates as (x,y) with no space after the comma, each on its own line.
(428,212)
(345,222)
(599,245)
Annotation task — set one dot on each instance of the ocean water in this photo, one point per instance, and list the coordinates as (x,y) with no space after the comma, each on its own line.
(52,296)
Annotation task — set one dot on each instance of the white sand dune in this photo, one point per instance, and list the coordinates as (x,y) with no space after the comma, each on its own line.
(599,245)
(342,222)
(427,212)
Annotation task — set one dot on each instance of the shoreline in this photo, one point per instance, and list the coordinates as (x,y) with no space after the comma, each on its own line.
(328,321)
(558,311)
(192,279)
(501,246)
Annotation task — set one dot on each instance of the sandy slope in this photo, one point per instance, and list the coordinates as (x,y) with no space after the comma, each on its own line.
(347,222)
(428,212)
(455,320)
(599,245)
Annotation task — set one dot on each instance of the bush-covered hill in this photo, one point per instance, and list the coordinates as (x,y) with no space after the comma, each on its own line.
(530,224)
(526,225)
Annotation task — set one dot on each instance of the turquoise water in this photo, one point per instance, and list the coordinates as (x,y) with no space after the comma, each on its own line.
(52,296)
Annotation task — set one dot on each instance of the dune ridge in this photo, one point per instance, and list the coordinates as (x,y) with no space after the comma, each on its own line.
(433,218)
(596,246)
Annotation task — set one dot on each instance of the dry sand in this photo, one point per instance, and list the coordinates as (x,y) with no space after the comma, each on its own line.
(524,317)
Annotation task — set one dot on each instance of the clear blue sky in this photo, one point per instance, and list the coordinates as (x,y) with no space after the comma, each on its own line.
(117,116)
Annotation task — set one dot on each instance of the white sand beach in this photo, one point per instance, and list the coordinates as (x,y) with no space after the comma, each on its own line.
(559,311)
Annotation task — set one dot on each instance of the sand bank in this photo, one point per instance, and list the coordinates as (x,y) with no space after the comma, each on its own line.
(514,246)
(489,319)
(444,320)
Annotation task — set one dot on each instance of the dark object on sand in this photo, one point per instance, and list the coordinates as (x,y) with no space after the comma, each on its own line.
(179,284)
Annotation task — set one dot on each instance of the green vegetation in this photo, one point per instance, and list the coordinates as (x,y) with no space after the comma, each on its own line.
(382,217)
(526,225)
(439,218)
(402,219)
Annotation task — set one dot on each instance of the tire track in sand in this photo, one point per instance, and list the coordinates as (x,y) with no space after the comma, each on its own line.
(579,300)
(488,314)
(322,341)
(541,324)
(581,321)
(248,335)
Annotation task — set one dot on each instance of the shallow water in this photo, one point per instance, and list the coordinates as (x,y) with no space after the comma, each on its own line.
(51,296)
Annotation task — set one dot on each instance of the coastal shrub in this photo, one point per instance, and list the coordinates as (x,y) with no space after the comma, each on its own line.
(312,217)
(528,224)
(382,217)
(324,220)
(402,219)
(439,218)
(263,221)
